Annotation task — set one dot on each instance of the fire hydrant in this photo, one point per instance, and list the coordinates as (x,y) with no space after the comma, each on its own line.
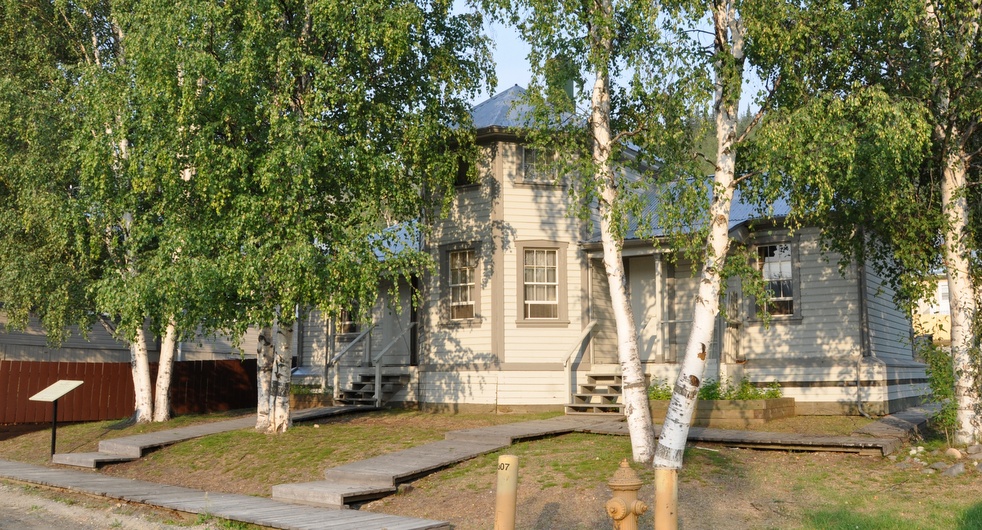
(625,507)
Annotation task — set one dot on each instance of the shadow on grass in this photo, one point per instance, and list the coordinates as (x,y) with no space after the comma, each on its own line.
(8,432)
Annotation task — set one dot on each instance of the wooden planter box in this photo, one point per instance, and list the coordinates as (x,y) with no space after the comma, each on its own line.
(310,401)
(731,413)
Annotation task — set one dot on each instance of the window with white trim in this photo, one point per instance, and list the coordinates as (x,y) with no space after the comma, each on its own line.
(541,273)
(462,268)
(944,299)
(776,266)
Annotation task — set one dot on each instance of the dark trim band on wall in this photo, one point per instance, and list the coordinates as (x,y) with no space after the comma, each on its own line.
(847,384)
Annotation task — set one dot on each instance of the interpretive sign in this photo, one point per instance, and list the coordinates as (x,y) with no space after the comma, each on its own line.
(51,395)
(56,390)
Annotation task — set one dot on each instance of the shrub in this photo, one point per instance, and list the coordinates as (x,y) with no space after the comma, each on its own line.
(712,389)
(660,390)
(941,378)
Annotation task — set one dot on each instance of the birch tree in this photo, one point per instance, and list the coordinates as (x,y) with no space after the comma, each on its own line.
(224,160)
(610,56)
(326,136)
(904,105)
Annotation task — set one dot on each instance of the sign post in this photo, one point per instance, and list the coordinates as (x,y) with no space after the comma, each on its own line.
(51,395)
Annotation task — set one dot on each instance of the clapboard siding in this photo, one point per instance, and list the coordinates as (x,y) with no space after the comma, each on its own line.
(890,328)
(829,324)
(468,219)
(98,345)
(604,342)
(458,387)
(531,388)
(538,213)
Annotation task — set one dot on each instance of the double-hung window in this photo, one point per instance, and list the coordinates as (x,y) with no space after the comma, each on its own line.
(541,283)
(462,268)
(538,166)
(460,284)
(776,265)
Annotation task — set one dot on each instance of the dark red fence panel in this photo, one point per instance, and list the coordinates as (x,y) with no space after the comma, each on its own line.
(107,390)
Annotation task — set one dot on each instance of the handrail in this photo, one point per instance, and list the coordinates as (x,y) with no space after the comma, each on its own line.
(377,361)
(575,354)
(350,345)
(334,360)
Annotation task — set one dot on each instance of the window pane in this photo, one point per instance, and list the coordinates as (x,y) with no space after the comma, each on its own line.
(775,265)
(541,289)
(461,279)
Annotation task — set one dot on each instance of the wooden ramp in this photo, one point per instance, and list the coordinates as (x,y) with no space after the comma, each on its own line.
(244,508)
(381,475)
(129,448)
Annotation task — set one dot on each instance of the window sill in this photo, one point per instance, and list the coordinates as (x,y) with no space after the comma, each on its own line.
(544,323)
(777,319)
(470,323)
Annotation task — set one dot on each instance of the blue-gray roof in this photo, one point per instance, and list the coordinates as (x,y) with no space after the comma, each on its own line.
(741,211)
(503,110)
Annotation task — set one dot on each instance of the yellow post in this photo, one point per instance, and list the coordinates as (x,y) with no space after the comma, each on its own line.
(666,499)
(507,493)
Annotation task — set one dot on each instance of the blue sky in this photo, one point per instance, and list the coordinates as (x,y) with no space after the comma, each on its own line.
(512,66)
(510,55)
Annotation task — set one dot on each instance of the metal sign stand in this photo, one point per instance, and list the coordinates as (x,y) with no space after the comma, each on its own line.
(51,394)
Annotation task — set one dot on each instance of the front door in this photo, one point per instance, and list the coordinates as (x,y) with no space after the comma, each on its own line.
(645,294)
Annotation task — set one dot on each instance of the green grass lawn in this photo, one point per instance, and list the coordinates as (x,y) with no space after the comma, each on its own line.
(562,479)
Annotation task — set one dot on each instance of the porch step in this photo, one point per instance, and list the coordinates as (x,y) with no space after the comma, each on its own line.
(601,394)
(362,389)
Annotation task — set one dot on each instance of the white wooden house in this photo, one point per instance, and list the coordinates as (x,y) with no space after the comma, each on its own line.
(518,315)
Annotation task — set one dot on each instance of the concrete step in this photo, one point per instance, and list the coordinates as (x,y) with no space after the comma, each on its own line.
(92,460)
(330,494)
(390,469)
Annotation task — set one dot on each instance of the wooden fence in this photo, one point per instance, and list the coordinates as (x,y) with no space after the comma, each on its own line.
(107,389)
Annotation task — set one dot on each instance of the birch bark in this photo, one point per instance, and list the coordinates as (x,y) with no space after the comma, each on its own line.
(962,297)
(634,392)
(140,366)
(264,379)
(728,44)
(165,370)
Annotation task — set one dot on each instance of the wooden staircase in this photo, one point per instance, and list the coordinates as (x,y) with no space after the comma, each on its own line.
(362,390)
(600,395)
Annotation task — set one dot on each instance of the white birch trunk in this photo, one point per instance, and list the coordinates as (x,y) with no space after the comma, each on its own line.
(634,390)
(140,366)
(264,379)
(165,369)
(280,388)
(273,364)
(962,296)
(675,430)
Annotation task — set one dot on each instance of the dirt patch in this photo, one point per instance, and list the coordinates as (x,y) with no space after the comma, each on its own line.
(720,488)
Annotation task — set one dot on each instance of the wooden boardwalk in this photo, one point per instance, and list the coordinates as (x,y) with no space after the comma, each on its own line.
(379,476)
(127,448)
(244,508)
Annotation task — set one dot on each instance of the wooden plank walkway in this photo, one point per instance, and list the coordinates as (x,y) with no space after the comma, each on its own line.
(244,508)
(379,476)
(127,448)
